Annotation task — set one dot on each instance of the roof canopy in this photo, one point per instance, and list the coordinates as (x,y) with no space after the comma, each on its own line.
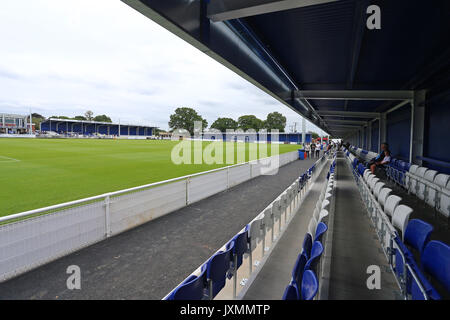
(318,56)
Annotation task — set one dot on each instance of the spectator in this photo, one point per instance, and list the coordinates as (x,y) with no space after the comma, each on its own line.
(313,148)
(379,158)
(317,150)
(307,149)
(382,163)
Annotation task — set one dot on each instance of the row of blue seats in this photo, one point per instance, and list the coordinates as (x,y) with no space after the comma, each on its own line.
(304,283)
(211,278)
(434,256)
(434,262)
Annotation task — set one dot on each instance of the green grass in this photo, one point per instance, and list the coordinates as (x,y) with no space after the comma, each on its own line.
(52,171)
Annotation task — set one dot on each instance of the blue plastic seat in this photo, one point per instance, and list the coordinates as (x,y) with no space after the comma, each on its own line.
(216,270)
(240,247)
(307,245)
(192,288)
(320,230)
(436,261)
(310,285)
(299,268)
(417,234)
(291,292)
(316,252)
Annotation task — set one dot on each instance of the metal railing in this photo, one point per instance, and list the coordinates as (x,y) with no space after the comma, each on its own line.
(33,238)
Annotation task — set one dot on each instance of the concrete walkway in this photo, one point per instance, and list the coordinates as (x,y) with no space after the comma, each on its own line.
(150,260)
(355,246)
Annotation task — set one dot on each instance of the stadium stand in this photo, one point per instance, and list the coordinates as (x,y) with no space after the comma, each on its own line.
(420,265)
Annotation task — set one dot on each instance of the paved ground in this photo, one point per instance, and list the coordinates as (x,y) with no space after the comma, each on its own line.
(150,260)
(355,246)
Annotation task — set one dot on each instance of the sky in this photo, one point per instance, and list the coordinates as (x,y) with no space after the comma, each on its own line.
(66,57)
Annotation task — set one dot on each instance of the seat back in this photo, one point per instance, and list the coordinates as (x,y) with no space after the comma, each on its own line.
(299,267)
(240,247)
(191,289)
(320,230)
(401,217)
(316,252)
(419,187)
(254,233)
(276,210)
(217,267)
(436,261)
(325,204)
(373,182)
(383,195)
(322,215)
(291,292)
(312,227)
(307,245)
(390,205)
(267,218)
(417,234)
(310,285)
(377,189)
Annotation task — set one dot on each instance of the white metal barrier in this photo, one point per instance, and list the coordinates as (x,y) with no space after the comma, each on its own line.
(33,238)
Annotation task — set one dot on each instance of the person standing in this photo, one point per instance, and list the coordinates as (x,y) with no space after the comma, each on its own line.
(313,149)
(307,150)
(317,150)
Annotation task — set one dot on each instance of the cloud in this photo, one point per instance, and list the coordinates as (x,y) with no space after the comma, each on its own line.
(65,57)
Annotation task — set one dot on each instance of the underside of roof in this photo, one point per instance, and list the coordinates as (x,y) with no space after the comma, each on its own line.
(318,56)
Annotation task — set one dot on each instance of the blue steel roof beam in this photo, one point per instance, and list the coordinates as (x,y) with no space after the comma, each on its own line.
(221,10)
(359,27)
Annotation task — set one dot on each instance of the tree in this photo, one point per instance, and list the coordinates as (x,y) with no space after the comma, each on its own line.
(222,124)
(250,122)
(314,135)
(275,120)
(89,115)
(37,116)
(184,118)
(80,118)
(102,118)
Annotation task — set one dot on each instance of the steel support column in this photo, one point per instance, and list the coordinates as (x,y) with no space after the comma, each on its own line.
(417,127)
(382,135)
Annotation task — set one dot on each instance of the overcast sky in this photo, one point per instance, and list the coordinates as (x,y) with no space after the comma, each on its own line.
(66,57)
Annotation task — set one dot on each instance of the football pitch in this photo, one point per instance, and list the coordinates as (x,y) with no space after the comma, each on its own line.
(35,173)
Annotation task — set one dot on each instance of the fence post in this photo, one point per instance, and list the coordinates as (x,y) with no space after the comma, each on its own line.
(107,216)
(187,190)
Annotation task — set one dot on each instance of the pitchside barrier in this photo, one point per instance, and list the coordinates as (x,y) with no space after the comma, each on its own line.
(33,238)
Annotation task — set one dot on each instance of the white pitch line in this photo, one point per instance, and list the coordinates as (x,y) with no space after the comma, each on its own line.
(8,159)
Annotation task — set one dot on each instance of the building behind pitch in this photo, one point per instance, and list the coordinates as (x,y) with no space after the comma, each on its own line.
(15,123)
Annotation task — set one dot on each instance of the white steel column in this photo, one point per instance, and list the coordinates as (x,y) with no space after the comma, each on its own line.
(417,127)
(382,135)
(303,131)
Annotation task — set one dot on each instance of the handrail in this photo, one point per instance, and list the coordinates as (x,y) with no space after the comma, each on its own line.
(119,192)
(439,163)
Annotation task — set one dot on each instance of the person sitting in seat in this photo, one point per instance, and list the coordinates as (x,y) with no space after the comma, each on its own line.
(386,159)
(379,157)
